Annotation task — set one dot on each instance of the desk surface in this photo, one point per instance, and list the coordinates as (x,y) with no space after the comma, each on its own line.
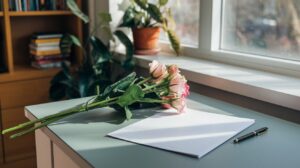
(85,134)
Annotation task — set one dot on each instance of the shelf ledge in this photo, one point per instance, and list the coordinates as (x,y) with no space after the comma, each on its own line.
(39,13)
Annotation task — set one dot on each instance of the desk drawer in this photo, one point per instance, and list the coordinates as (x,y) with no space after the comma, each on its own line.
(20,94)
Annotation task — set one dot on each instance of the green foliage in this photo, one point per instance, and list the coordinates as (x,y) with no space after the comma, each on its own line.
(144,14)
(163,2)
(95,72)
(155,13)
(133,94)
(129,61)
(174,40)
(75,9)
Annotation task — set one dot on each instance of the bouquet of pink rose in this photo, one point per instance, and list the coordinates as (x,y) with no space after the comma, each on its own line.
(165,86)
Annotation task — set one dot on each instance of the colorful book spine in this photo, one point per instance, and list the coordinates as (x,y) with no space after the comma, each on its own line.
(36,5)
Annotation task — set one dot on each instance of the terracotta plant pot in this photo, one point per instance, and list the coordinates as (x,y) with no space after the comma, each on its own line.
(146,40)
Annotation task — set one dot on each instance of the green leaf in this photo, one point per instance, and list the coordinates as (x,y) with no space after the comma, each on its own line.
(129,62)
(174,40)
(132,95)
(128,18)
(142,3)
(105,18)
(163,2)
(122,84)
(57,91)
(155,13)
(75,9)
(75,40)
(128,113)
(84,79)
(65,44)
(100,50)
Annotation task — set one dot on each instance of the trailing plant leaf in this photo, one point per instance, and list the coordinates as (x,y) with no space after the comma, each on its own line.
(174,40)
(100,50)
(105,18)
(163,2)
(75,40)
(76,11)
(65,44)
(128,63)
(142,3)
(128,18)
(155,13)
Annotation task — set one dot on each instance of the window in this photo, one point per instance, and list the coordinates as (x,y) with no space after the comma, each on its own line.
(268,28)
(261,34)
(186,15)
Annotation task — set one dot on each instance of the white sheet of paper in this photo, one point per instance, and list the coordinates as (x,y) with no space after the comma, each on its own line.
(193,133)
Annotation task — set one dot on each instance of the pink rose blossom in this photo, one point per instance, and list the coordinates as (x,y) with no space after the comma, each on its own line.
(158,71)
(173,69)
(179,104)
(178,85)
(166,105)
(186,91)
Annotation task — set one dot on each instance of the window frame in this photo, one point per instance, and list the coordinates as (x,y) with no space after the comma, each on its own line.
(209,44)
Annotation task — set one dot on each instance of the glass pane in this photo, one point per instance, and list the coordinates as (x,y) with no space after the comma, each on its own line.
(186,15)
(263,27)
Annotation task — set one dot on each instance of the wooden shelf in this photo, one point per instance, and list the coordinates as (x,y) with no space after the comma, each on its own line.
(26,72)
(40,13)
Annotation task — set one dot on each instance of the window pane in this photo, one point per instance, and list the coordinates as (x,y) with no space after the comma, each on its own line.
(269,27)
(186,15)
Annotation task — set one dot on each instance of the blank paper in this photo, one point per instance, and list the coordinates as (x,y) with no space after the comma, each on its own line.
(193,133)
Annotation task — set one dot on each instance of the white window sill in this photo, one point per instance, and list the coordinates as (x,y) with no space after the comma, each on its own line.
(273,88)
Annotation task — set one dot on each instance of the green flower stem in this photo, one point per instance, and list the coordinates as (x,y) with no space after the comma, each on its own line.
(144,81)
(82,108)
(34,128)
(47,122)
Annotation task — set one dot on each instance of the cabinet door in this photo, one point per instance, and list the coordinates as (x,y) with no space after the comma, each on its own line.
(21,147)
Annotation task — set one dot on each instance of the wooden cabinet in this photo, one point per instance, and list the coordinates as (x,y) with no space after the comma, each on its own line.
(22,85)
(14,96)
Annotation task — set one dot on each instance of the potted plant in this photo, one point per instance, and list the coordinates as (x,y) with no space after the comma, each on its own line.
(94,73)
(146,20)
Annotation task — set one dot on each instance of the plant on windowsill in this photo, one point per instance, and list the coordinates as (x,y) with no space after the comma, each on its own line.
(146,19)
(95,71)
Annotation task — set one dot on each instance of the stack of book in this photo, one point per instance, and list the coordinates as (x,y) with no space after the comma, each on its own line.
(37,5)
(45,51)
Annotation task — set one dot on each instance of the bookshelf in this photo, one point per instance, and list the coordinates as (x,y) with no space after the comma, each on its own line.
(21,84)
(18,26)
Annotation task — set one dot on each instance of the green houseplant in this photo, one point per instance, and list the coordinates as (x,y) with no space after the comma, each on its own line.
(146,19)
(95,72)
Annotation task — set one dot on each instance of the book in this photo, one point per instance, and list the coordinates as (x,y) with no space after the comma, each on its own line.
(46,35)
(50,57)
(49,65)
(43,48)
(55,44)
(54,40)
(43,53)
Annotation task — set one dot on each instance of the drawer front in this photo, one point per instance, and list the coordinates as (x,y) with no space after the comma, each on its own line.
(21,147)
(23,93)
